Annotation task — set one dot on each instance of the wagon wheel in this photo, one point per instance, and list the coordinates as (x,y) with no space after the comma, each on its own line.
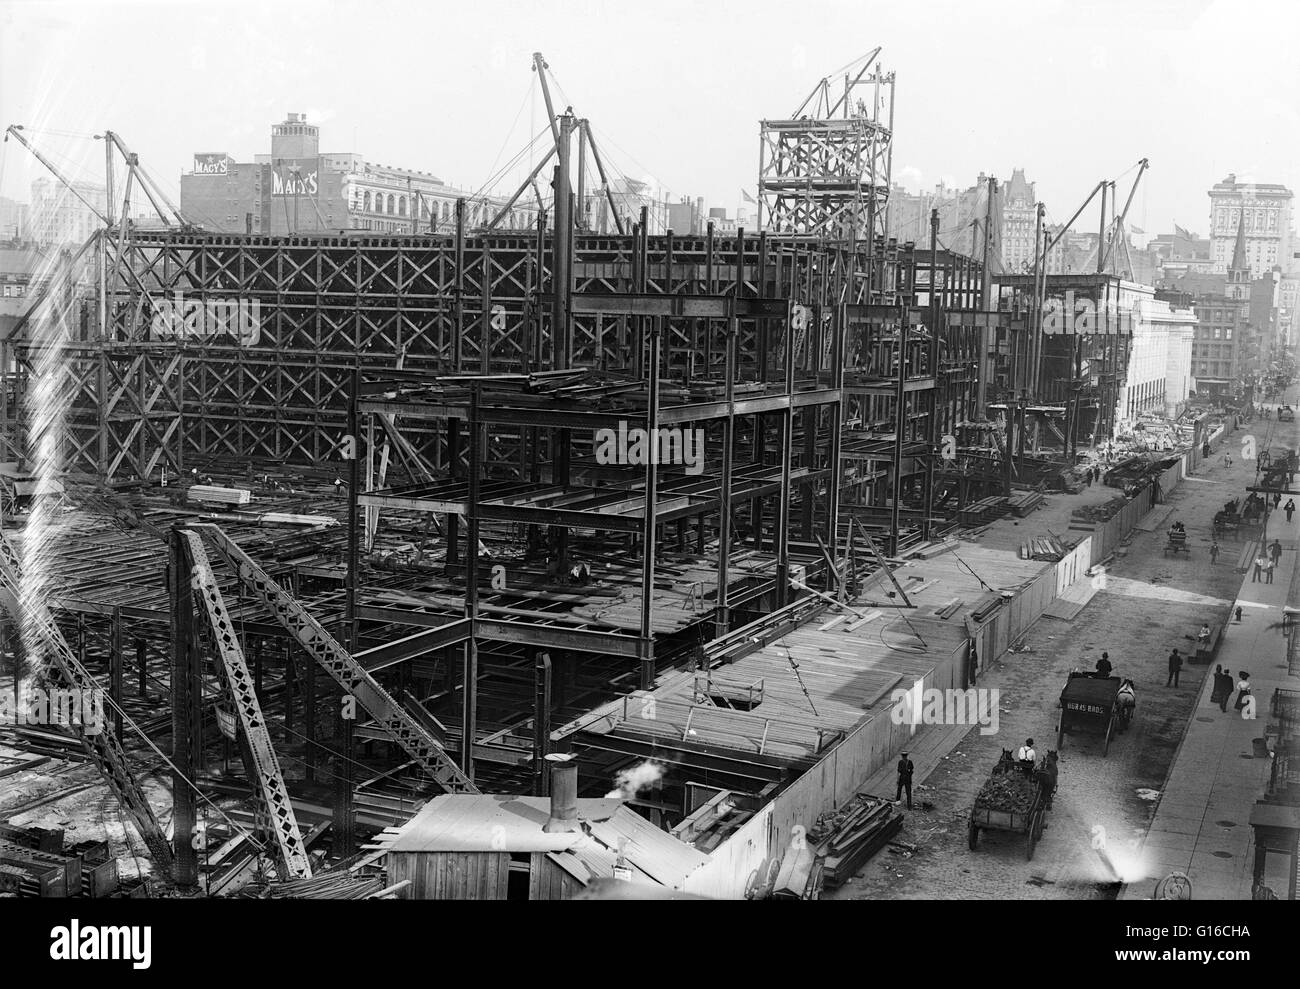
(1105,748)
(1035,831)
(973,835)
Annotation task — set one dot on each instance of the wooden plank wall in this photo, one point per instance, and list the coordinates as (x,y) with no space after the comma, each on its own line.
(836,778)
(451,875)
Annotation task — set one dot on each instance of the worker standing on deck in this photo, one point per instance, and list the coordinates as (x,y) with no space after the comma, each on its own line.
(905,769)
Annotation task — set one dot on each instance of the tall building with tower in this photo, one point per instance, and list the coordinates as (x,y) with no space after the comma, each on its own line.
(1263,211)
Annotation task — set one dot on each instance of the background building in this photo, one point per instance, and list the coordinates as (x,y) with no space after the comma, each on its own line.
(13,220)
(58,217)
(299,189)
(1266,212)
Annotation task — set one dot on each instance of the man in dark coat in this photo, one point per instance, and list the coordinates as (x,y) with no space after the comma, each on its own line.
(1175,667)
(905,769)
(1103,665)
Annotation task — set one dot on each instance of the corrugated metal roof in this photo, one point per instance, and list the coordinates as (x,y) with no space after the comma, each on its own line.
(656,853)
(499,823)
(491,823)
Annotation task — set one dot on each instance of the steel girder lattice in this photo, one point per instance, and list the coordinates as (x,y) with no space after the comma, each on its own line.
(159,388)
(830,177)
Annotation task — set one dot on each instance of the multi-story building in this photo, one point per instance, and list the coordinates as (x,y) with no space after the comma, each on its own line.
(1019,222)
(13,220)
(1288,317)
(1222,347)
(299,189)
(56,216)
(22,267)
(1266,212)
(687,216)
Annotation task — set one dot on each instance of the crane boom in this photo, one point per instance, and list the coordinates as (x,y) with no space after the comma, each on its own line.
(15,131)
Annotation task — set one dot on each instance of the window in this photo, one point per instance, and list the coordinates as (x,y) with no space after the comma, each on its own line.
(401,205)
(365,201)
(1227,334)
(1217,333)
(391,204)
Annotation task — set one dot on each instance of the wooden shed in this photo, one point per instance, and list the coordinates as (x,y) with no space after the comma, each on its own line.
(493,847)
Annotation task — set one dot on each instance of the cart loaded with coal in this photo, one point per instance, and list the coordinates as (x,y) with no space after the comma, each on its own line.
(1015,798)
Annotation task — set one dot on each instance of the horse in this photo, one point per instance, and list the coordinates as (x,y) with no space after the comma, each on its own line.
(1127,700)
(1046,776)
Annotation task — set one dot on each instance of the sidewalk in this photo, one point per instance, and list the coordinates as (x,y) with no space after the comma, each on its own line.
(1201,824)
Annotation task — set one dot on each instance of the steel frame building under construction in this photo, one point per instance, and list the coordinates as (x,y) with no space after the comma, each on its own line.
(414,436)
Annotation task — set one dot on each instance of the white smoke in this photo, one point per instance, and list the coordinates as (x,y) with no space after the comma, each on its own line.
(630,782)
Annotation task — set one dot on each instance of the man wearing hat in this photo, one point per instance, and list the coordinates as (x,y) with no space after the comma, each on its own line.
(905,768)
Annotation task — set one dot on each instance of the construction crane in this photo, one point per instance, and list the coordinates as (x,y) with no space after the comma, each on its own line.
(15,131)
(163,206)
(1117,231)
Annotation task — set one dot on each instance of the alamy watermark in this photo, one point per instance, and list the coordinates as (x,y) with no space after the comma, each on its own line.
(71,708)
(181,318)
(932,706)
(638,447)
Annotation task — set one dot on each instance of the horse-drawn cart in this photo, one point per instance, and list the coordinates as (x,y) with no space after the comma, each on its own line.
(1088,705)
(1178,543)
(1012,801)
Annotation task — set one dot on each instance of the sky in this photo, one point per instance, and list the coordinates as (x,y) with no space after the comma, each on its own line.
(1072,92)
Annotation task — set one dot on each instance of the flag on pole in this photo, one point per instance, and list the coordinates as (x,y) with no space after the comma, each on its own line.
(748,198)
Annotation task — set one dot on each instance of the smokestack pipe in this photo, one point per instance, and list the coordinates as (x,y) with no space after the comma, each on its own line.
(564,794)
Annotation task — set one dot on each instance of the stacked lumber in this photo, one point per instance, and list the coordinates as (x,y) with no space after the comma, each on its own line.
(848,837)
(1047,549)
(213,494)
(985,510)
(1025,502)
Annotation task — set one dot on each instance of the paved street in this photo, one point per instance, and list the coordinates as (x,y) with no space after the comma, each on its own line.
(1149,605)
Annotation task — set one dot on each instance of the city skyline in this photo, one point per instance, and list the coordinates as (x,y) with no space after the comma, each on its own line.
(473,93)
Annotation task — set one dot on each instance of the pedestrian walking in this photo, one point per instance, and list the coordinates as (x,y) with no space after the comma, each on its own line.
(1275,551)
(1243,690)
(1220,692)
(905,769)
(1289,509)
(1175,667)
(1269,567)
(1087,477)
(1259,568)
(1214,552)
(1277,500)
(1238,614)
(1217,690)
